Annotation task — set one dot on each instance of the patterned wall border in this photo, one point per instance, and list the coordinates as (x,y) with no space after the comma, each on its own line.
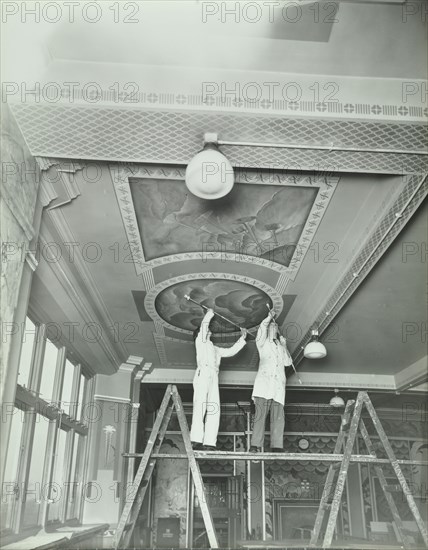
(121,175)
(151,295)
(195,101)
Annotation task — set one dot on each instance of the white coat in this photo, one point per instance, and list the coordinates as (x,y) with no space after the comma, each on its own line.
(274,357)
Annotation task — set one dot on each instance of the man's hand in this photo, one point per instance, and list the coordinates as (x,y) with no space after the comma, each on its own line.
(244,332)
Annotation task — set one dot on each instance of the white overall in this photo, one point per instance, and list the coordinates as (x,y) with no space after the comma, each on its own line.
(206,396)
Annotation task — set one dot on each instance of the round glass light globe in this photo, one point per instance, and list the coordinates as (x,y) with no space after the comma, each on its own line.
(209,175)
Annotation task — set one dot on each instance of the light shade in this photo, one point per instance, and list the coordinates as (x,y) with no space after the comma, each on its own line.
(314,349)
(337,402)
(209,175)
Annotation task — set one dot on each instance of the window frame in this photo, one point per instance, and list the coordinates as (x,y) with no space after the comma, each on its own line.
(32,406)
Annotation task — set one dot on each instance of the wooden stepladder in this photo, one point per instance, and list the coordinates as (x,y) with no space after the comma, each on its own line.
(347,436)
(141,481)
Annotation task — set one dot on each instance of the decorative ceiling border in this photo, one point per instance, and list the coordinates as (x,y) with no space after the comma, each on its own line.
(121,175)
(173,136)
(149,302)
(235,103)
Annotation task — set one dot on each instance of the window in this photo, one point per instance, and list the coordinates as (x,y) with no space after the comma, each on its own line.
(72,492)
(67,387)
(10,488)
(28,339)
(48,371)
(56,496)
(81,397)
(53,450)
(34,493)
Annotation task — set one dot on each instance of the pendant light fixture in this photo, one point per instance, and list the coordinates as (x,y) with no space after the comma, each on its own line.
(314,349)
(336,401)
(209,175)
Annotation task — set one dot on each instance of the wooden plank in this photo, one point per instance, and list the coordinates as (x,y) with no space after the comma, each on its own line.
(383,484)
(196,473)
(126,512)
(331,474)
(343,472)
(396,467)
(296,457)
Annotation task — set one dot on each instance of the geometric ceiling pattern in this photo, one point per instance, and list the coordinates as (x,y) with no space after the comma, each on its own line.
(174,136)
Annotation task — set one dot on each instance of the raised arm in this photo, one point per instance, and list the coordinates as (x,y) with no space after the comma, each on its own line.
(263,329)
(203,334)
(237,346)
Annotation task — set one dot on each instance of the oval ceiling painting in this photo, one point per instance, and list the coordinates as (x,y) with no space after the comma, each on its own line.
(242,303)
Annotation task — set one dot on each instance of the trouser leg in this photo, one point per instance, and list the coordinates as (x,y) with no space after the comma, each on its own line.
(262,407)
(277,422)
(200,387)
(212,418)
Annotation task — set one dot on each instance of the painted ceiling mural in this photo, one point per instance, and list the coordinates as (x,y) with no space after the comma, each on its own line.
(265,221)
(235,254)
(242,303)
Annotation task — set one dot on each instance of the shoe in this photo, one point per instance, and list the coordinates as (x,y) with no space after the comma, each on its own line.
(276,450)
(209,448)
(196,446)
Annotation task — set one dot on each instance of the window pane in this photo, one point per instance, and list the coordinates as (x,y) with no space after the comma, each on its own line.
(28,339)
(48,371)
(73,487)
(34,491)
(67,386)
(57,487)
(81,397)
(10,487)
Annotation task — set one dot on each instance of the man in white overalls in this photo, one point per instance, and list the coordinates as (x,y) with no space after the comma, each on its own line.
(269,385)
(206,396)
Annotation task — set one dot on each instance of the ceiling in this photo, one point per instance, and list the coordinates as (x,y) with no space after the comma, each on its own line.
(341,248)
(290,37)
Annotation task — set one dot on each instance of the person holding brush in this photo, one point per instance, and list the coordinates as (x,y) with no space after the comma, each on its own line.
(206,395)
(269,385)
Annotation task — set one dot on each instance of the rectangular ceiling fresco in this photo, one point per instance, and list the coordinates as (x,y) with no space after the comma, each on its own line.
(256,220)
